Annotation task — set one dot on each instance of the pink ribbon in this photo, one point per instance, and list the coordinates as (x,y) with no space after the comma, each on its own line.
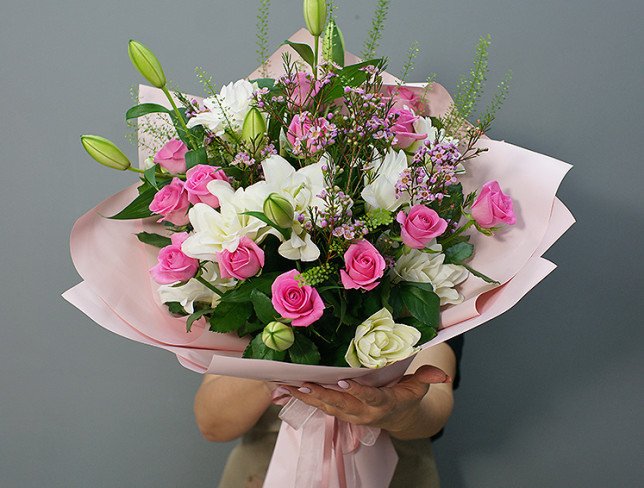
(319,451)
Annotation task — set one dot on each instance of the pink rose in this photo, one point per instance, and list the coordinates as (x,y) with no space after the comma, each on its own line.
(197,179)
(243,262)
(493,207)
(420,226)
(364,266)
(173,265)
(172,156)
(403,128)
(405,97)
(304,90)
(302,304)
(171,202)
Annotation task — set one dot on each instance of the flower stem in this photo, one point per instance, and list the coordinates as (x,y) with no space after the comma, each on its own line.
(179,116)
(208,285)
(316,47)
(458,232)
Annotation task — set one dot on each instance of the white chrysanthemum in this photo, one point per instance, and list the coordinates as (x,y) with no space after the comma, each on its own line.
(381,191)
(228,108)
(380,341)
(193,291)
(428,267)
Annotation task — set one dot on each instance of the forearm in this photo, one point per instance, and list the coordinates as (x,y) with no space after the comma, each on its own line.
(227,407)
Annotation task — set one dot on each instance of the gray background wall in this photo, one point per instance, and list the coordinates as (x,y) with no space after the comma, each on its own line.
(551,392)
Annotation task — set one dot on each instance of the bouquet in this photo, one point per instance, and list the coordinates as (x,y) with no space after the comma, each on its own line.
(318,220)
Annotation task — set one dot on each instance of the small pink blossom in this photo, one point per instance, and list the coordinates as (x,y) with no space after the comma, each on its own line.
(403,127)
(301,303)
(171,202)
(197,179)
(364,266)
(314,133)
(420,226)
(173,265)
(242,263)
(172,156)
(493,207)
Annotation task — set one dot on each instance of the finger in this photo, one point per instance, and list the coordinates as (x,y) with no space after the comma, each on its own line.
(427,375)
(374,397)
(303,394)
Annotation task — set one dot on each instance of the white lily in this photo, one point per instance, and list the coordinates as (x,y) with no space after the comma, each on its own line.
(381,191)
(300,247)
(227,109)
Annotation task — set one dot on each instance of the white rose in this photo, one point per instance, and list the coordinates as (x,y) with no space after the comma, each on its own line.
(428,267)
(193,291)
(227,109)
(380,192)
(380,341)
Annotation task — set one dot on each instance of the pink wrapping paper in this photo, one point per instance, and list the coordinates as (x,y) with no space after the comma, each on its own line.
(117,293)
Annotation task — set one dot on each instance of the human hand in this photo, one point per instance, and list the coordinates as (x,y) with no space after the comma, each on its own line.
(393,408)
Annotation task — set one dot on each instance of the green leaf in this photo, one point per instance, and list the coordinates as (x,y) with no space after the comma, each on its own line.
(195,157)
(155,240)
(176,308)
(427,333)
(421,302)
(150,176)
(458,253)
(242,293)
(196,316)
(305,52)
(229,316)
(264,82)
(261,216)
(478,274)
(303,350)
(258,350)
(263,307)
(139,208)
(250,327)
(348,76)
(145,109)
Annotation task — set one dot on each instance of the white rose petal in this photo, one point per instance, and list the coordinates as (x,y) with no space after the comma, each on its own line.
(380,341)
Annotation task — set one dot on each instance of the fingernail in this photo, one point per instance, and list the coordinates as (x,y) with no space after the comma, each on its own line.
(304,389)
(280,390)
(344,385)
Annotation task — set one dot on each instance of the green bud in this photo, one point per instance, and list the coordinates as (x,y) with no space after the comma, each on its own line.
(315,16)
(105,152)
(253,127)
(147,63)
(279,210)
(278,336)
(333,44)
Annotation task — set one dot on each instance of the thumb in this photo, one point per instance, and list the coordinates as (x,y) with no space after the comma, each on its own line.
(428,375)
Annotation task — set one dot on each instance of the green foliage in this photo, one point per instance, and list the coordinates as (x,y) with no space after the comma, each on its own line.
(242,293)
(229,316)
(348,76)
(458,253)
(420,301)
(262,35)
(155,240)
(263,307)
(316,275)
(196,316)
(375,33)
(408,67)
(303,350)
(258,350)
(261,216)
(305,52)
(176,308)
(195,157)
(206,81)
(378,217)
(139,208)
(496,102)
(145,109)
(480,275)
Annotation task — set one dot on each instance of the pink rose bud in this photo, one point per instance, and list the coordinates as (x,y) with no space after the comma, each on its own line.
(403,128)
(405,97)
(242,263)
(172,156)
(171,202)
(305,90)
(197,179)
(301,303)
(364,266)
(493,207)
(173,265)
(420,226)
(298,128)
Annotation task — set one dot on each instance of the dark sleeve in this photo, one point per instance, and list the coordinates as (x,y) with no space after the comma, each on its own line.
(456,343)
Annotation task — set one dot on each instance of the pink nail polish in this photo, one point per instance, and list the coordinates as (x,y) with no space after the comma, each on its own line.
(304,389)
(280,391)
(344,385)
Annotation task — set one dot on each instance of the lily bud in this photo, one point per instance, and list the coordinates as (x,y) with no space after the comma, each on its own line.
(146,63)
(105,152)
(278,336)
(254,126)
(333,44)
(279,210)
(315,16)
